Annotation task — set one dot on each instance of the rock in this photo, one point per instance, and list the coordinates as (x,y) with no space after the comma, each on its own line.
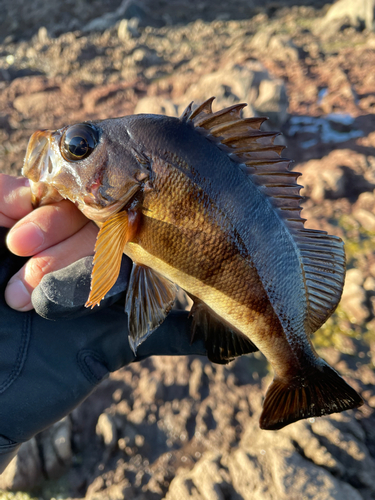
(283,48)
(229,86)
(343,437)
(43,37)
(48,455)
(130,433)
(353,300)
(268,466)
(195,381)
(101,23)
(365,218)
(31,104)
(128,28)
(106,429)
(25,470)
(272,101)
(346,12)
(250,83)
(342,173)
(364,211)
(128,10)
(55,444)
(145,57)
(369,284)
(156,105)
(207,480)
(280,46)
(151,389)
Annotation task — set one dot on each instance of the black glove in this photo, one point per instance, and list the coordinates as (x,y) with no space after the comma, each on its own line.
(47,368)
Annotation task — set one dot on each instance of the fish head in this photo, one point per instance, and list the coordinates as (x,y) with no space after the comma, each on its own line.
(93,164)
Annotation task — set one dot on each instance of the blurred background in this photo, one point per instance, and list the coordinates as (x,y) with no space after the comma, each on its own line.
(184,428)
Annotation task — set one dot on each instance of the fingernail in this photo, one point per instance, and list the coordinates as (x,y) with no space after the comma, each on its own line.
(26,238)
(17,296)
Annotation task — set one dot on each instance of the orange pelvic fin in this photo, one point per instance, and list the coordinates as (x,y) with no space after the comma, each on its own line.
(320,393)
(109,248)
(149,299)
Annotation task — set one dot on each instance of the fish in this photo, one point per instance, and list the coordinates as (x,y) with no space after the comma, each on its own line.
(206,202)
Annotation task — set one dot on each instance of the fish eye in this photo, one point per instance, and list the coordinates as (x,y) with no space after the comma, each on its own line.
(79,141)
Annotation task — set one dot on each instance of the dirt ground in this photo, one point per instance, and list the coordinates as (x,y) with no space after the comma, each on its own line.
(180,428)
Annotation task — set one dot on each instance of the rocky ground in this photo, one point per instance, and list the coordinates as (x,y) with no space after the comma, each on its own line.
(184,428)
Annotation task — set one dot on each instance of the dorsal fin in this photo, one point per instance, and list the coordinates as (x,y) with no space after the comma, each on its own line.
(322,256)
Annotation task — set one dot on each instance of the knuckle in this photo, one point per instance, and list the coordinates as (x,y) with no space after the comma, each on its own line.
(36,268)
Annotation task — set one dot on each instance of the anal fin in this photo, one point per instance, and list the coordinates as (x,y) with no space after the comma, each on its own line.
(320,393)
(149,299)
(222,341)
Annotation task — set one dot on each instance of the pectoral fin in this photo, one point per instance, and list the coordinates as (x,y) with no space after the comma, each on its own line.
(109,247)
(223,342)
(149,299)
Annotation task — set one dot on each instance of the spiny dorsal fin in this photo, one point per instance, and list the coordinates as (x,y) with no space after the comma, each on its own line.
(322,255)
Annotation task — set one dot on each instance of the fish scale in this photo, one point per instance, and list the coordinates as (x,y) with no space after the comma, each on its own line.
(206,202)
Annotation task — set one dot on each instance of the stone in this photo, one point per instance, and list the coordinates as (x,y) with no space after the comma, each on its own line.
(195,380)
(205,481)
(358,14)
(283,48)
(250,83)
(31,104)
(128,28)
(43,37)
(369,284)
(353,300)
(365,218)
(128,10)
(106,429)
(268,466)
(272,101)
(341,174)
(156,105)
(280,46)
(151,389)
(55,443)
(25,470)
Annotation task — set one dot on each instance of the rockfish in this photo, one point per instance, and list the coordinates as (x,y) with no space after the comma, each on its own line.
(206,202)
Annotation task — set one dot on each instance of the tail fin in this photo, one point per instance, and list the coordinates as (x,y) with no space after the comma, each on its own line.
(322,392)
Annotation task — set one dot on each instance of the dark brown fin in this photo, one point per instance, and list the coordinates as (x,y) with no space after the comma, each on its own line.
(321,393)
(149,299)
(223,342)
(322,256)
(109,247)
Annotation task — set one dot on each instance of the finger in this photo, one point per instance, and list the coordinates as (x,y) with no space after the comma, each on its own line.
(45,227)
(20,286)
(15,199)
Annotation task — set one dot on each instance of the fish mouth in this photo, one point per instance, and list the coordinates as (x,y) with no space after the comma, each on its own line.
(39,168)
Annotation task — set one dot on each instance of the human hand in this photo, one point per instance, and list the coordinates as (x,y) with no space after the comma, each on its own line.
(54,236)
(47,368)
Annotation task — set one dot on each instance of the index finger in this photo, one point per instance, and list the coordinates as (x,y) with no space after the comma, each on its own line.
(15,199)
